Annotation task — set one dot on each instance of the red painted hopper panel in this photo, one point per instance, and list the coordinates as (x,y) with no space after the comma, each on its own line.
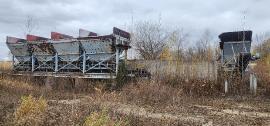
(14,40)
(35,38)
(85,33)
(104,37)
(57,36)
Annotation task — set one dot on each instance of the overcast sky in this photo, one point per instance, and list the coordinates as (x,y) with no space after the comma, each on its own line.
(67,16)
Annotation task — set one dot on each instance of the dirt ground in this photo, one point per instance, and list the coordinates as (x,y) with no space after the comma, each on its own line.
(143,104)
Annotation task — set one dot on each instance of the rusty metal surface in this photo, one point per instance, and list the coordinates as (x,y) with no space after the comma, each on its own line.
(43,51)
(42,48)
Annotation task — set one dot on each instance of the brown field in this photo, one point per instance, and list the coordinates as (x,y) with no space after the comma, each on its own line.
(140,102)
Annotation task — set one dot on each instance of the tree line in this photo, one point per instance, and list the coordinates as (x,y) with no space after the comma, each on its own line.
(154,41)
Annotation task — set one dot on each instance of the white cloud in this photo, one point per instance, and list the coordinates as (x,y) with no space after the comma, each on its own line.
(68,16)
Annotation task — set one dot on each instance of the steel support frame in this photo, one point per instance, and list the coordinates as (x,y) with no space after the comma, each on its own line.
(69,63)
(85,58)
(21,65)
(98,64)
(84,61)
(43,63)
(82,67)
(117,60)
(56,63)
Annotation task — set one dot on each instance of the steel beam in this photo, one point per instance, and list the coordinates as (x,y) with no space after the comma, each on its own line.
(56,63)
(13,61)
(33,62)
(117,60)
(100,62)
(84,61)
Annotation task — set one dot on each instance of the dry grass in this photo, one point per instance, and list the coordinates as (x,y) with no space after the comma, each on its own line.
(150,93)
(162,100)
(16,84)
(262,71)
(103,118)
(5,65)
(31,111)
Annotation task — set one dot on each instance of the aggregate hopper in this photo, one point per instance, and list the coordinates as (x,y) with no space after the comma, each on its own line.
(88,56)
(20,50)
(42,52)
(18,47)
(101,52)
(67,52)
(98,53)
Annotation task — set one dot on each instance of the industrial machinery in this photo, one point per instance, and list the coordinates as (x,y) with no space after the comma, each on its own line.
(235,51)
(88,56)
(234,59)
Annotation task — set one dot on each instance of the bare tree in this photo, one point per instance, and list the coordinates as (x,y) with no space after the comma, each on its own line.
(262,44)
(263,48)
(177,38)
(29,25)
(189,54)
(149,39)
(203,47)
